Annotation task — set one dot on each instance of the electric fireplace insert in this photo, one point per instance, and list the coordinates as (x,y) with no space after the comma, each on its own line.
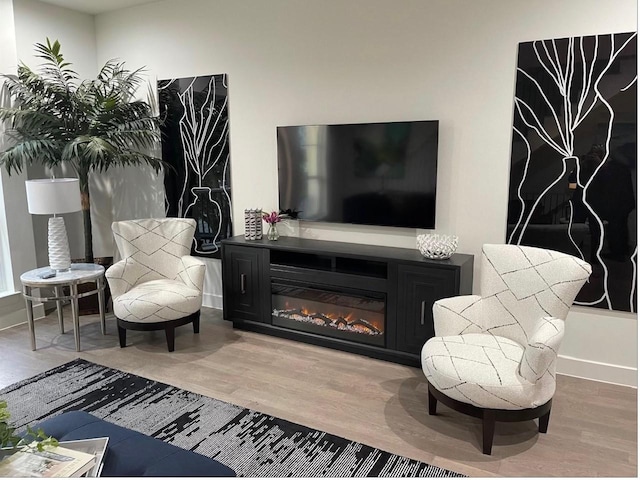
(349,315)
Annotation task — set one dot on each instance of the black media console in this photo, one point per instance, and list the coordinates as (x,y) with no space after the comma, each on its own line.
(365,299)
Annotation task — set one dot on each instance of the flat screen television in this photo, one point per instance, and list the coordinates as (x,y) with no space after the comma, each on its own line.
(366,173)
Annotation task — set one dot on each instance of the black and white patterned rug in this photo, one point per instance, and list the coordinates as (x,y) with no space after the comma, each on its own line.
(250,442)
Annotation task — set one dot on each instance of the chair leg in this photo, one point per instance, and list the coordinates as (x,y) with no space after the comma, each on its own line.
(488,426)
(543,422)
(196,324)
(170,333)
(122,335)
(432,404)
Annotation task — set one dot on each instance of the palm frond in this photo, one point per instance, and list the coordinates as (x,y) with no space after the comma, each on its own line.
(90,125)
(131,158)
(30,119)
(28,151)
(134,138)
(55,66)
(114,80)
(34,92)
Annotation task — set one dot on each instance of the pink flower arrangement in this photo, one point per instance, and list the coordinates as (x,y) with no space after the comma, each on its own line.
(271,218)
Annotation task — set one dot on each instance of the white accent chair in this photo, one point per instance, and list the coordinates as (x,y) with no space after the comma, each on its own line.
(494,354)
(157,285)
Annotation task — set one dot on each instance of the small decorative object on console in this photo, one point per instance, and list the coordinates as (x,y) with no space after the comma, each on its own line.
(272,218)
(272,233)
(437,247)
(252,224)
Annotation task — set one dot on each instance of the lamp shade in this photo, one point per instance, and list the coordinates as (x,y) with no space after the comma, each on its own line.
(53,196)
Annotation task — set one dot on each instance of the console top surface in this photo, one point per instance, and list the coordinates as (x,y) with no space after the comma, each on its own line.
(353,250)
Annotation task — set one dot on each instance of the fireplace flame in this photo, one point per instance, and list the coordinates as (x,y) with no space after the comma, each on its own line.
(354,316)
(347,317)
(339,320)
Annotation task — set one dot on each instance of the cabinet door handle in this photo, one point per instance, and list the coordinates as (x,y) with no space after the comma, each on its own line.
(422,312)
(243,283)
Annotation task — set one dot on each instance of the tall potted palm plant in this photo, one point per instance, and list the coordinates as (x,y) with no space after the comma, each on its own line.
(90,125)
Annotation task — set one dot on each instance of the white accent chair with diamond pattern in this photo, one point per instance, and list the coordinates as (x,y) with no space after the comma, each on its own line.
(494,354)
(157,285)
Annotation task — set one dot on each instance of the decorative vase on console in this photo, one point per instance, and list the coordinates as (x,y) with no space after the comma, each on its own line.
(437,247)
(272,218)
(273,234)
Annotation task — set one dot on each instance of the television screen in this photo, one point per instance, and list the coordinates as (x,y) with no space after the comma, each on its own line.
(370,173)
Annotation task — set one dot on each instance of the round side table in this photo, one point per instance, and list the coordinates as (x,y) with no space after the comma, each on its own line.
(79,273)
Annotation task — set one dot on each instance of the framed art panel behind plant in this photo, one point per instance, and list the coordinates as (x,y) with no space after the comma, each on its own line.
(195,143)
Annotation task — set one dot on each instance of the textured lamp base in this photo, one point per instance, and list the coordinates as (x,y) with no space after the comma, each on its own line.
(59,257)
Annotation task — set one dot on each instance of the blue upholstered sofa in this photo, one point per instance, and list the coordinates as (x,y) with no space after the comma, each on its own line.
(133,454)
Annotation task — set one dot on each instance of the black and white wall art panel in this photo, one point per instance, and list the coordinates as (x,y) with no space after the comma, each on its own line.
(195,143)
(573,185)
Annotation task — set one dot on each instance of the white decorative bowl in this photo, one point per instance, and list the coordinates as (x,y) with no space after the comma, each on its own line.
(438,247)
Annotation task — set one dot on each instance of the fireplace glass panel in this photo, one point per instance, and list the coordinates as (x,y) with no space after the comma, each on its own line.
(349,316)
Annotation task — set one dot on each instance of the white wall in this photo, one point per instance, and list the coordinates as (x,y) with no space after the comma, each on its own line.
(115,195)
(333,61)
(17,234)
(34,23)
(22,24)
(339,61)
(14,200)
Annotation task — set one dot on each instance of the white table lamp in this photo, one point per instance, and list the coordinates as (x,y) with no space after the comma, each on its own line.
(52,197)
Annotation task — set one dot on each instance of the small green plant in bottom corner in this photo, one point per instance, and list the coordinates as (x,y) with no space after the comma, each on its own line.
(9,440)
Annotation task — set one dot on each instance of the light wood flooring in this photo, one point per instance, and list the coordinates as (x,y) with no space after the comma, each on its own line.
(592,432)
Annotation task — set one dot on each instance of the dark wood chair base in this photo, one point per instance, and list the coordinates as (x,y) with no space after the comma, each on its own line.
(169,328)
(490,416)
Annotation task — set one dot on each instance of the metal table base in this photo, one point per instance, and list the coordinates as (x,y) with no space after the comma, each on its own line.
(78,274)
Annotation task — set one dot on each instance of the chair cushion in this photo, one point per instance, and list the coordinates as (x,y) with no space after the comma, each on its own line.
(157,301)
(155,243)
(482,369)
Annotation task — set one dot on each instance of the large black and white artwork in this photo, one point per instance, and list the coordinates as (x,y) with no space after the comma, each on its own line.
(574,159)
(195,144)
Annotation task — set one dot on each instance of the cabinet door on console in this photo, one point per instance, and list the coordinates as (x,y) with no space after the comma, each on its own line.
(418,289)
(242,270)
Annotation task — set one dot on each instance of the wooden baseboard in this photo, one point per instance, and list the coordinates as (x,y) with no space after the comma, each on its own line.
(13,310)
(598,371)
(212,301)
